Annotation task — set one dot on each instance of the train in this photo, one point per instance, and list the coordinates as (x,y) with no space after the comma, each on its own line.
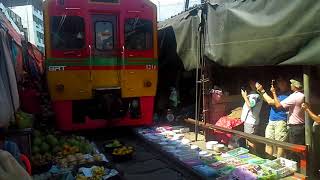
(101,62)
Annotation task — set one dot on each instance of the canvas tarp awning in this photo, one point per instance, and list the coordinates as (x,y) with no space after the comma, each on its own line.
(251,33)
(185,28)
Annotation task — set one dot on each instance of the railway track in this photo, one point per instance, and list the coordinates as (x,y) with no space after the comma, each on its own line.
(148,163)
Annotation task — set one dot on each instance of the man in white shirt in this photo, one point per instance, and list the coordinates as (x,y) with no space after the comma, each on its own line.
(251,111)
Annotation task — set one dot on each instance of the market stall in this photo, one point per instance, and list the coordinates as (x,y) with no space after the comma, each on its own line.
(249,35)
(212,159)
(61,156)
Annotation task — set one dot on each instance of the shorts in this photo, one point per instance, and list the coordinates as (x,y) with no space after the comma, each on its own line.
(296,134)
(250,128)
(277,130)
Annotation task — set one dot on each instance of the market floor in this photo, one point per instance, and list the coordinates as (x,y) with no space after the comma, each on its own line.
(147,163)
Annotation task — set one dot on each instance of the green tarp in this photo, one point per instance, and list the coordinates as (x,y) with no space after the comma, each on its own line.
(250,33)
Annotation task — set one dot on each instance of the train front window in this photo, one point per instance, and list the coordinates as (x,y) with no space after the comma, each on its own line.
(67,32)
(138,34)
(104,35)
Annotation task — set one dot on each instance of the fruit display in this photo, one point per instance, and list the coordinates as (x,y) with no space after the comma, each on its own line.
(97,174)
(122,154)
(109,146)
(114,143)
(123,151)
(79,159)
(51,147)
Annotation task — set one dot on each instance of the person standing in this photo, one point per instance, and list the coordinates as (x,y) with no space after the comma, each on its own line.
(251,111)
(296,131)
(277,125)
(313,116)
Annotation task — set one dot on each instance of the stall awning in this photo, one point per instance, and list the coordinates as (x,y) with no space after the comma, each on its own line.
(12,32)
(252,33)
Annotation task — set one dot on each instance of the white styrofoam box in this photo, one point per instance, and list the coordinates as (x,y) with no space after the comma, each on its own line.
(203,153)
(184,130)
(211,144)
(194,147)
(185,141)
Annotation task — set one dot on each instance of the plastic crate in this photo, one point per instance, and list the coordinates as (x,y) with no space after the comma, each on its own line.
(281,171)
(248,172)
(246,157)
(237,151)
(287,163)
(234,161)
(257,161)
(226,171)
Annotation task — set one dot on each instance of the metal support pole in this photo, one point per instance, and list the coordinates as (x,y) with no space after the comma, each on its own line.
(196,104)
(308,122)
(186,5)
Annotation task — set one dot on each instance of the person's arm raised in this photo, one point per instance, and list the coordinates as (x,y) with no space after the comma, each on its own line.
(277,103)
(263,93)
(312,115)
(245,97)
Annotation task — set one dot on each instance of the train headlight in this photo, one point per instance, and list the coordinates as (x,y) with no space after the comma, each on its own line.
(147,83)
(135,103)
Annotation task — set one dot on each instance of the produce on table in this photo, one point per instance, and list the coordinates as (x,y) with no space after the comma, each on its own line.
(123,151)
(97,173)
(51,147)
(115,143)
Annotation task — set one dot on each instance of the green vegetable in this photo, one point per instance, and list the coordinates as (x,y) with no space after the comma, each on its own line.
(35,149)
(44,147)
(37,141)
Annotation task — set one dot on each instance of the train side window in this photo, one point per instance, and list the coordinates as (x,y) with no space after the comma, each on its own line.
(67,32)
(104,35)
(138,34)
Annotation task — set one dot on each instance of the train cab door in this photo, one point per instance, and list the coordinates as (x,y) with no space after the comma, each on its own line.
(139,73)
(104,58)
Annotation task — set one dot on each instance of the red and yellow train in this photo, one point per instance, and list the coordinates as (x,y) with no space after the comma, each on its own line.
(101,60)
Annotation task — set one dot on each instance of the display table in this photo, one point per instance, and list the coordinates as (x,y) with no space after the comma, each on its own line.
(208,163)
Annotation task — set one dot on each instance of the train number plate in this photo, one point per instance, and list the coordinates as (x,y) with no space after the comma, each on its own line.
(151,67)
